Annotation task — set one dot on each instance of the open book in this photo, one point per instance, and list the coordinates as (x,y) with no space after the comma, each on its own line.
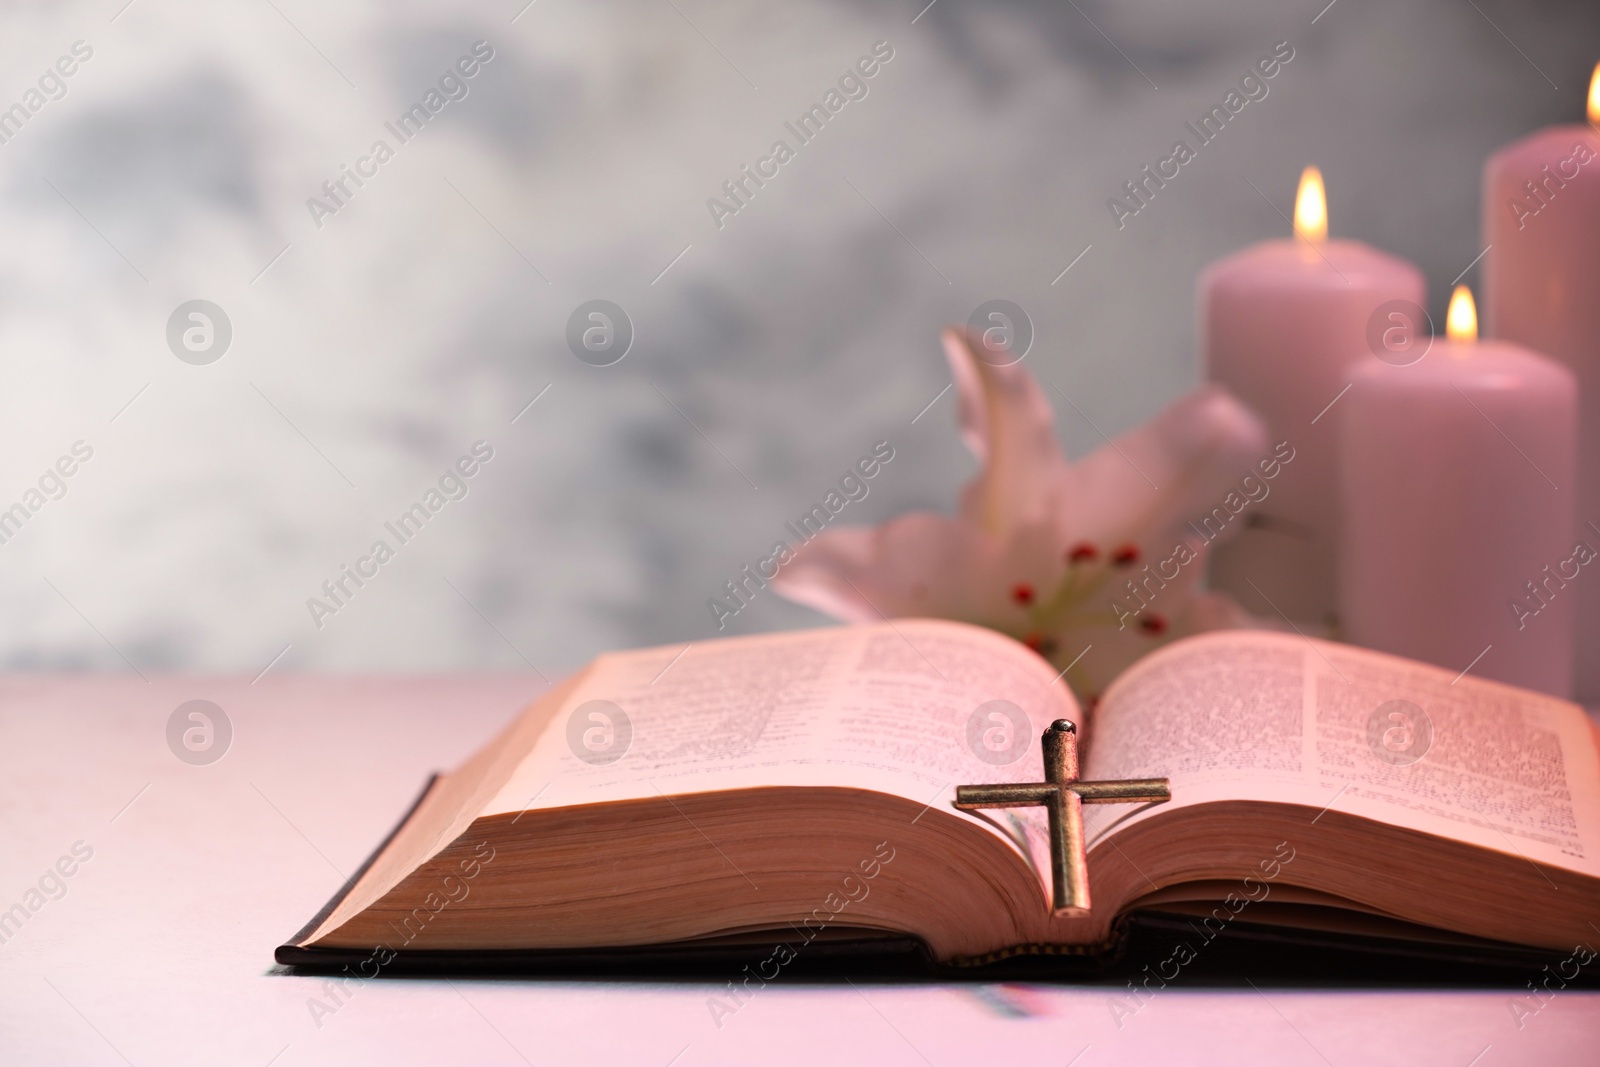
(796,789)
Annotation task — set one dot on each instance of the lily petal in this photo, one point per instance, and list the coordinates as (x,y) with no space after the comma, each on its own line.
(1152,480)
(1009,426)
(914,564)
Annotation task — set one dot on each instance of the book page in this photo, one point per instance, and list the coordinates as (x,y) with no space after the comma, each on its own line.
(887,707)
(1277,717)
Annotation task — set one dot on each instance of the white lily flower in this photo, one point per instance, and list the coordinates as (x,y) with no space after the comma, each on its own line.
(1092,564)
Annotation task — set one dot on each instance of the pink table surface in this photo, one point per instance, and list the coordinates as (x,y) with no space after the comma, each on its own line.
(161,950)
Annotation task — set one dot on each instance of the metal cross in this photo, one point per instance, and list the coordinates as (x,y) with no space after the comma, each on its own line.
(1063,795)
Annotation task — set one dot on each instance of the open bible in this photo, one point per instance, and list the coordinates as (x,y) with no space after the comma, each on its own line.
(790,795)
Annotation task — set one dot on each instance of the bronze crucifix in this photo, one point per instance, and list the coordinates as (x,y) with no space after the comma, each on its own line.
(1063,796)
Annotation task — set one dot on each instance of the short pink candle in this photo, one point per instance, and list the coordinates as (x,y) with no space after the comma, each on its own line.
(1456,490)
(1541,223)
(1283,325)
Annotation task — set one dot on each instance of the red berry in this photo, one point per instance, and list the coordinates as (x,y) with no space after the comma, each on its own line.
(1126,555)
(1022,593)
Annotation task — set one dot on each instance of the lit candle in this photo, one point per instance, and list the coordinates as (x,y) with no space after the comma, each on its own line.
(1456,496)
(1541,223)
(1283,325)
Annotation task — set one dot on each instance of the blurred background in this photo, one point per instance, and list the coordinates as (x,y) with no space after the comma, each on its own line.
(373,345)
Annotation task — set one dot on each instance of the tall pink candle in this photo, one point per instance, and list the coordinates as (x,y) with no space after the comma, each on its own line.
(1457,489)
(1541,222)
(1283,325)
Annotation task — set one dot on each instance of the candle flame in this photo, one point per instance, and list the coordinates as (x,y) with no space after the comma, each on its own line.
(1311,207)
(1594,95)
(1461,321)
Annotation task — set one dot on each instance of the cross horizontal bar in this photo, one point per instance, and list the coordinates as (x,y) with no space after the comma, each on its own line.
(1005,796)
(1123,791)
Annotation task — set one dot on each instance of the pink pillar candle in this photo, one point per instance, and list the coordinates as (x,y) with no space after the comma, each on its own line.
(1457,484)
(1283,325)
(1541,223)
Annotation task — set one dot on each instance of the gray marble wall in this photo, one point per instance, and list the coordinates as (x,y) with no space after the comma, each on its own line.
(376,338)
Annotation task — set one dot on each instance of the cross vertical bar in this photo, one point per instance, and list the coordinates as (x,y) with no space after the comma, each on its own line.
(1060,752)
(1069,867)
